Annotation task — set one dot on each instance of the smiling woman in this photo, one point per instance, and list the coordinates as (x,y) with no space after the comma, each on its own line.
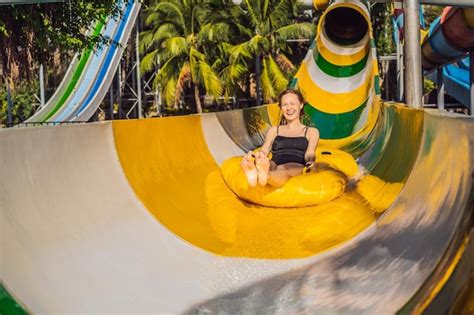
(291,143)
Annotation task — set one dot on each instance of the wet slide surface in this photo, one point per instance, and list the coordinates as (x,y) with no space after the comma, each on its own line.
(383,270)
(77,221)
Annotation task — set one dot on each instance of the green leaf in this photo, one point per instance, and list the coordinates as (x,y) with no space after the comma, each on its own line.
(149,62)
(267,85)
(296,31)
(279,79)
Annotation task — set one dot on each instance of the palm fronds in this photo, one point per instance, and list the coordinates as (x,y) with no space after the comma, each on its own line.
(210,46)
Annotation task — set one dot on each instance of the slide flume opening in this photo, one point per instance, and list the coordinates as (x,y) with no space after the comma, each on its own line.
(345,26)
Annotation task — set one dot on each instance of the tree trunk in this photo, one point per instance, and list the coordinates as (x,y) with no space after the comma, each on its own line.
(197,99)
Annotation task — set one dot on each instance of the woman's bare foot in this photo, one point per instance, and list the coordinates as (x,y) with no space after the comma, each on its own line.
(263,167)
(248,166)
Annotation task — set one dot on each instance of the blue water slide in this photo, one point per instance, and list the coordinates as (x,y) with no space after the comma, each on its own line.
(88,77)
(100,69)
(106,73)
(457,81)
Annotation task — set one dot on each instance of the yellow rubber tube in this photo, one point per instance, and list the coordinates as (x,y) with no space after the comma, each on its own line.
(333,169)
(300,191)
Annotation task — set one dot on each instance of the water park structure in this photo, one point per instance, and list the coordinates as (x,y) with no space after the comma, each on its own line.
(134,216)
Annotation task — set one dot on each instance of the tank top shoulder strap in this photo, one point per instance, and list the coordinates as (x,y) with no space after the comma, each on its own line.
(278,128)
(306,131)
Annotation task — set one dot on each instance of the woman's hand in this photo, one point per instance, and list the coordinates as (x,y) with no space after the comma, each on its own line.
(261,155)
(310,166)
(250,156)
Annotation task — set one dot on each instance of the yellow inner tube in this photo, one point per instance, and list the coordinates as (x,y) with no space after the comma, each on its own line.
(328,182)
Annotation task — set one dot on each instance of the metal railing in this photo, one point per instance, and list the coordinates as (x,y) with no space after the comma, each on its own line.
(47,123)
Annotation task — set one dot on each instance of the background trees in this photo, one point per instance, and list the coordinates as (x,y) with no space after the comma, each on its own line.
(40,33)
(174,46)
(271,24)
(48,34)
(222,48)
(204,52)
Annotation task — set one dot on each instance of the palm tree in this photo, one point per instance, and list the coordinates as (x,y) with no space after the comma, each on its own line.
(225,26)
(173,42)
(263,28)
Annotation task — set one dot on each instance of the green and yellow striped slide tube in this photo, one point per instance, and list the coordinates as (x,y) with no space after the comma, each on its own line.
(339,75)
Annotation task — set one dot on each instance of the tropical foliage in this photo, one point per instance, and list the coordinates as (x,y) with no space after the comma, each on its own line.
(267,28)
(383,29)
(213,46)
(23,100)
(32,34)
(173,42)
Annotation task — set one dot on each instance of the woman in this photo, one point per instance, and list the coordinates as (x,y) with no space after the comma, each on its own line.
(292,145)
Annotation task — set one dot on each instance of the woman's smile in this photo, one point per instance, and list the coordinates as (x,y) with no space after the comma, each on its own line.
(291,107)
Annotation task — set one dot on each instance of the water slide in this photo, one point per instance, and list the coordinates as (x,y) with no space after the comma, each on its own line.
(450,37)
(456,80)
(89,76)
(134,216)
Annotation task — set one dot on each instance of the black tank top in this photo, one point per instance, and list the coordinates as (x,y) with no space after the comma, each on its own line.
(289,149)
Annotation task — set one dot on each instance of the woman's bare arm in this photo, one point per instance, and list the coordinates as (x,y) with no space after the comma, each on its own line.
(313,139)
(267,145)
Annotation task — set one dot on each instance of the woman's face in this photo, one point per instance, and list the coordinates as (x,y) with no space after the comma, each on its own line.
(291,107)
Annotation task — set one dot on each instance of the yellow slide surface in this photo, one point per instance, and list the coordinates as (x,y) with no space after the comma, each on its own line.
(172,172)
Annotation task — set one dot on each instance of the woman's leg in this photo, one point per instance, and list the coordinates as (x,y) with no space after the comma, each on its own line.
(248,166)
(279,176)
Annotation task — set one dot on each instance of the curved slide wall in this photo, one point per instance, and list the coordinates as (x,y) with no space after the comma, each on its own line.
(83,233)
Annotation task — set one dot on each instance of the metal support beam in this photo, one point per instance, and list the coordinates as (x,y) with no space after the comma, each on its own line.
(9,106)
(387,81)
(10,2)
(139,76)
(440,82)
(110,112)
(119,92)
(41,77)
(400,73)
(471,80)
(412,53)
